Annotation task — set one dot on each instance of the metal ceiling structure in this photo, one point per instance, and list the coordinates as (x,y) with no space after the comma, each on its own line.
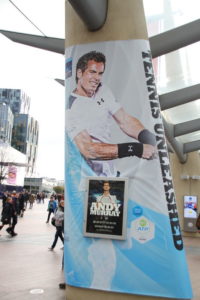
(160,44)
(41,42)
(93,14)
(12,163)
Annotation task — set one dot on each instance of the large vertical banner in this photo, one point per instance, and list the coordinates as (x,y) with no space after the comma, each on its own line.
(114,129)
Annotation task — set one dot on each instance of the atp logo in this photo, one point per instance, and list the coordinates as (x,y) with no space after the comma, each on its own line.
(143,225)
(142,229)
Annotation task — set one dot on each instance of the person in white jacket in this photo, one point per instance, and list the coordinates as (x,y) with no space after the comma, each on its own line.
(59,224)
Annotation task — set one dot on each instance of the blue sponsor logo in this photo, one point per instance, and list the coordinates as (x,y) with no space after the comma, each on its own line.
(137,211)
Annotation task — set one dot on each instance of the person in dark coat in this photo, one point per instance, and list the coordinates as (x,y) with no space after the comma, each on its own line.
(26,199)
(21,205)
(4,198)
(15,198)
(8,215)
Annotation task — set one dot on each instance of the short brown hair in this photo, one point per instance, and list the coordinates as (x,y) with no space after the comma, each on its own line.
(83,60)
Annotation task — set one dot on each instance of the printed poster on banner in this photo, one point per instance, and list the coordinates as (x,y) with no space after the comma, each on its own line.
(114,129)
(12,175)
(106,208)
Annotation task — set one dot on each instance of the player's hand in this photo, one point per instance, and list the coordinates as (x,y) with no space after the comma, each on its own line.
(149,152)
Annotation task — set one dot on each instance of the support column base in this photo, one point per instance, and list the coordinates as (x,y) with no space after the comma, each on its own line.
(74,293)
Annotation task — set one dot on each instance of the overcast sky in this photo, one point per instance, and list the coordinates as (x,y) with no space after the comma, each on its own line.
(33,70)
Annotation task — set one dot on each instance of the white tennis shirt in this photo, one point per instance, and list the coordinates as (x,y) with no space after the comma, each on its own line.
(107,199)
(94,115)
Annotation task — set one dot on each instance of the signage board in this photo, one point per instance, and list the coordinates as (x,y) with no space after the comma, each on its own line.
(106,208)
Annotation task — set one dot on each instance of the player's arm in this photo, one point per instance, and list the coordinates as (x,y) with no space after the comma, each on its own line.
(128,124)
(103,151)
(92,150)
(134,128)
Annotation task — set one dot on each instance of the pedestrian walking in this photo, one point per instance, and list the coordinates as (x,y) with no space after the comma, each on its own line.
(9,216)
(52,206)
(31,200)
(59,224)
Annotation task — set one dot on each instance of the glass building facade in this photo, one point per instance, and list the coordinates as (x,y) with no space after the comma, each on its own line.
(17,127)
(6,123)
(18,101)
(25,138)
(39,184)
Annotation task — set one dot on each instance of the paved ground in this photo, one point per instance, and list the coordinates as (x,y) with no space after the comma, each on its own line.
(192,248)
(27,269)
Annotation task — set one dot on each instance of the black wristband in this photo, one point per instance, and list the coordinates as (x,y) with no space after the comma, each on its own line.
(146,137)
(130,149)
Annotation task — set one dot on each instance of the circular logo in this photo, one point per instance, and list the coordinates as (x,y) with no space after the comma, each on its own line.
(143,223)
(137,211)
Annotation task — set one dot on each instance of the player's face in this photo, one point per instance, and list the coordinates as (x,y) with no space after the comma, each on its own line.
(89,79)
(106,187)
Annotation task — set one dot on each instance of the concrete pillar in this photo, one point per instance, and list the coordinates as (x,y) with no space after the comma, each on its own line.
(125,21)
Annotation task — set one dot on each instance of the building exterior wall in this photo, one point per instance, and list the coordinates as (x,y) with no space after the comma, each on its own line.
(19,136)
(18,101)
(25,138)
(39,184)
(22,132)
(6,123)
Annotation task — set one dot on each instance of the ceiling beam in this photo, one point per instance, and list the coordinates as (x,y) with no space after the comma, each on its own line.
(175,39)
(46,43)
(177,146)
(92,12)
(12,163)
(179,97)
(186,127)
(160,44)
(192,146)
(61,81)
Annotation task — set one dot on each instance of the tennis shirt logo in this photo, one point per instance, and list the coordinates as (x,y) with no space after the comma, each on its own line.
(100,101)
